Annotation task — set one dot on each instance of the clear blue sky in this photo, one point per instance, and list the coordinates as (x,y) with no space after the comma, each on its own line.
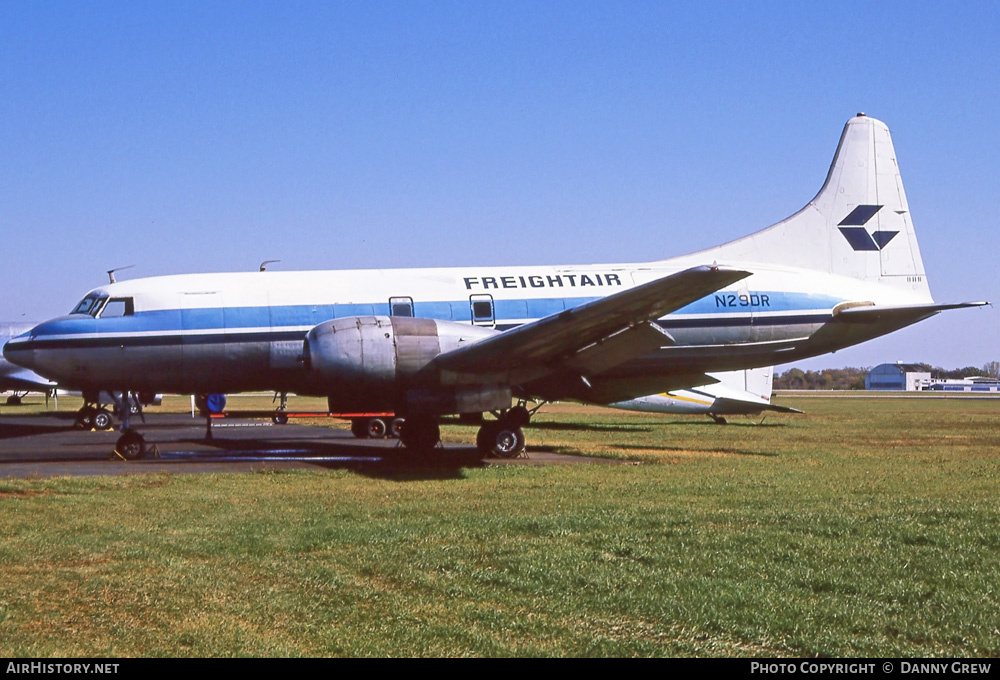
(209,136)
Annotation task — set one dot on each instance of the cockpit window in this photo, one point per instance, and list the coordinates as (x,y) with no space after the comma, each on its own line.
(89,305)
(118,307)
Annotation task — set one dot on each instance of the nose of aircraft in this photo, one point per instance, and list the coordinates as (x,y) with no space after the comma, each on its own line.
(18,351)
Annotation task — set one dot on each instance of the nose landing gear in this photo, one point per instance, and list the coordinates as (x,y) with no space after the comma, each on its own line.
(131,446)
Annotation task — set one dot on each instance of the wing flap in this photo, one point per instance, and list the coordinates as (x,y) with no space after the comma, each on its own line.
(610,351)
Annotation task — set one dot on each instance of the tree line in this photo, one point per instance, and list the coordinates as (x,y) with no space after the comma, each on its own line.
(854,378)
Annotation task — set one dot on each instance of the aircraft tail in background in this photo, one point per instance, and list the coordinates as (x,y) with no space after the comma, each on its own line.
(746,392)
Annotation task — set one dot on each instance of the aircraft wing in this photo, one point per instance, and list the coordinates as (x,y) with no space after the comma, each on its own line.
(592,337)
(23,379)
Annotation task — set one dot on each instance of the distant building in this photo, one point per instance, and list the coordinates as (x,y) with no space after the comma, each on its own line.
(899,377)
(975,384)
(912,378)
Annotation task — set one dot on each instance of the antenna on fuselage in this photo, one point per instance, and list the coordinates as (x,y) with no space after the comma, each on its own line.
(263,265)
(111,272)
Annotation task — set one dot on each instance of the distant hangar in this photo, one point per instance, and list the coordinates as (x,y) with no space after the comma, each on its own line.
(897,377)
(902,377)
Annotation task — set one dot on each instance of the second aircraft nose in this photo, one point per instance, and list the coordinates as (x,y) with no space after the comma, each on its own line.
(18,351)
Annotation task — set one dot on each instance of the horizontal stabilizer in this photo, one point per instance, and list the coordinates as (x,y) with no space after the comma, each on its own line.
(726,406)
(903,315)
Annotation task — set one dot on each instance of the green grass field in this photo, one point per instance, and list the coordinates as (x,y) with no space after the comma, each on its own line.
(868,527)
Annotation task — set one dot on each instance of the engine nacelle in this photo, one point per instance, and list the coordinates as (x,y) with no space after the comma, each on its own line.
(371,363)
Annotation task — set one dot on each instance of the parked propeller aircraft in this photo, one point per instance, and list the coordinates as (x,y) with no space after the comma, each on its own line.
(19,381)
(736,393)
(424,343)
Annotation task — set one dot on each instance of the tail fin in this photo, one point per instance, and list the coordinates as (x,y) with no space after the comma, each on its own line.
(858,225)
(747,391)
(755,381)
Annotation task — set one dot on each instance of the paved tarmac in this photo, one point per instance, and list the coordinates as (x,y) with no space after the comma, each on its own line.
(47,445)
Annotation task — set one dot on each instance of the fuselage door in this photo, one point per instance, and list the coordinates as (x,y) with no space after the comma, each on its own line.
(400,306)
(482,310)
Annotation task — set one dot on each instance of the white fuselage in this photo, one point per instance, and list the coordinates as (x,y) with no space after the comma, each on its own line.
(244,331)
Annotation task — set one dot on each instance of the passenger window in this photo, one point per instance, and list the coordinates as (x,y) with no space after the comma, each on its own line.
(117,307)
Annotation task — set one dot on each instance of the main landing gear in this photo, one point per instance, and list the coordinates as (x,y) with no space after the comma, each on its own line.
(504,437)
(15,399)
(420,433)
(501,438)
(94,416)
(97,416)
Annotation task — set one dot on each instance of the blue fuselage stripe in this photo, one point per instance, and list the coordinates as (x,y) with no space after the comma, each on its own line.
(207,326)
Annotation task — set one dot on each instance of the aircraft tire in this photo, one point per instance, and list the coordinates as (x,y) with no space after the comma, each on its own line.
(419,434)
(501,440)
(377,429)
(103,419)
(279,418)
(359,428)
(131,445)
(13,400)
(396,426)
(85,418)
